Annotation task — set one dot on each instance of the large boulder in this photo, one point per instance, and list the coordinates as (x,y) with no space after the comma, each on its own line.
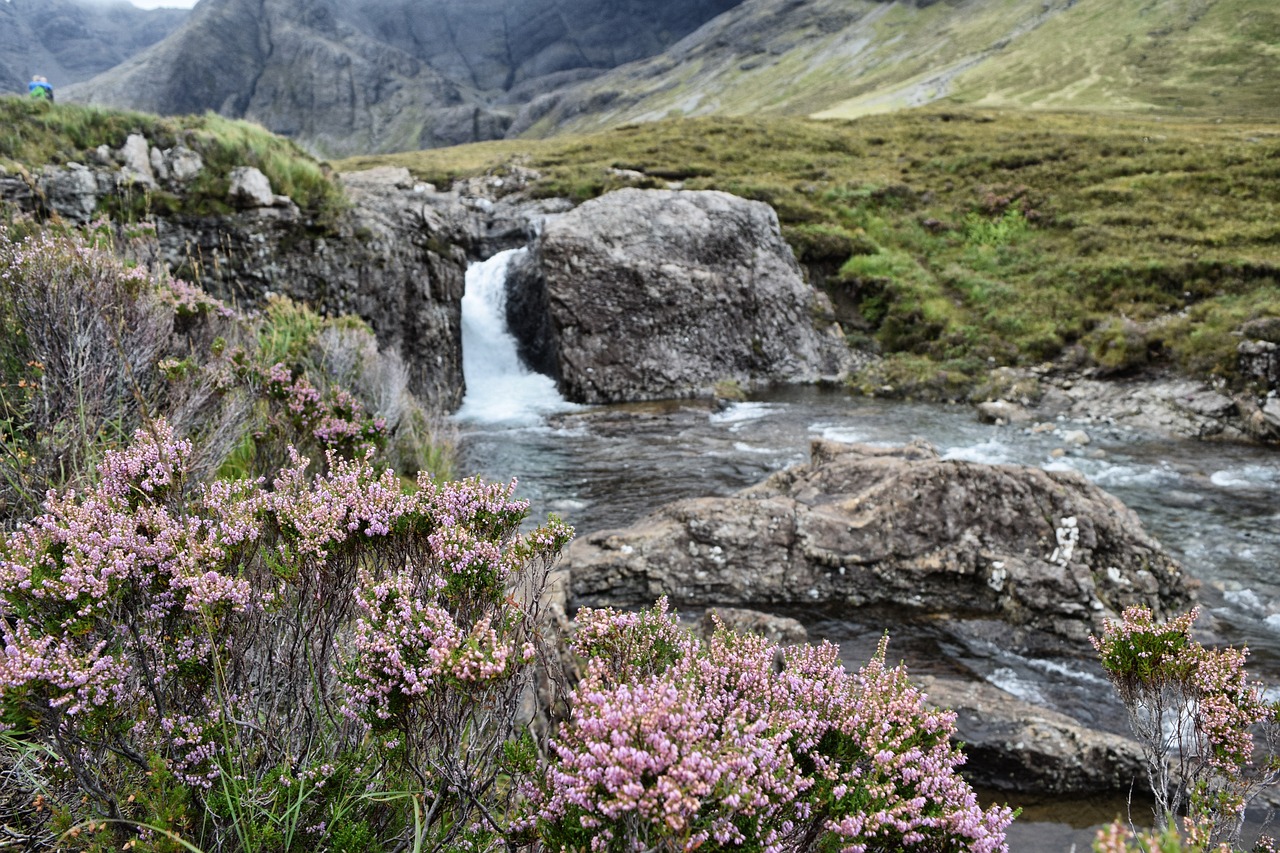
(863,525)
(651,294)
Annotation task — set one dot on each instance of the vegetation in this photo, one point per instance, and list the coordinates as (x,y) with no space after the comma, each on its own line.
(960,240)
(1209,736)
(94,348)
(34,134)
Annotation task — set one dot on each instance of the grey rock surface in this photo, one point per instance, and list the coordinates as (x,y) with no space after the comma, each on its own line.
(863,525)
(250,188)
(1015,746)
(651,294)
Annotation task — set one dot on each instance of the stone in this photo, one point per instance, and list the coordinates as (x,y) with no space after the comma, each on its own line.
(652,294)
(1078,437)
(135,157)
(1015,746)
(183,163)
(158,165)
(1208,403)
(72,193)
(872,526)
(1260,361)
(782,630)
(250,188)
(1004,412)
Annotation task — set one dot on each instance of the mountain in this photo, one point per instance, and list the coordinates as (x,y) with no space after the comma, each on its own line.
(841,59)
(349,76)
(355,75)
(72,40)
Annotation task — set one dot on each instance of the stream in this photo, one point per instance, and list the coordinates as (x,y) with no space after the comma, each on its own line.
(1215,507)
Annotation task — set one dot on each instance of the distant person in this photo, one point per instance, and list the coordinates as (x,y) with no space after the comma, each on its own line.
(40,89)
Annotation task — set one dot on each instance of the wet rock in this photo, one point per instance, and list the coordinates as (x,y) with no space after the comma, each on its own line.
(250,188)
(646,294)
(1078,437)
(1013,745)
(863,525)
(1003,412)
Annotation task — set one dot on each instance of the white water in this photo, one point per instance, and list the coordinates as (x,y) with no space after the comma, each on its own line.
(500,390)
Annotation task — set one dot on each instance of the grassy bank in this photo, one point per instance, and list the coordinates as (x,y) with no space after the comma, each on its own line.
(956,240)
(34,134)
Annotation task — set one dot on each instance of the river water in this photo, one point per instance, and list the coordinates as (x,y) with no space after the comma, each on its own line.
(1215,507)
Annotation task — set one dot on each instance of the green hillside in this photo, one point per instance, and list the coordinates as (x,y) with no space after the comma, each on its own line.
(954,241)
(845,58)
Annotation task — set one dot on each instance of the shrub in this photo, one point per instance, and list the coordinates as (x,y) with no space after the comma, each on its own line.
(331,652)
(677,745)
(1199,720)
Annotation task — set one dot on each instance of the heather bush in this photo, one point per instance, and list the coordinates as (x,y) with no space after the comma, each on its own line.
(1208,734)
(333,658)
(673,744)
(90,349)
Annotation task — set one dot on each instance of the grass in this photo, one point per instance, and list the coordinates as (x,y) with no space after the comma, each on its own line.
(34,134)
(961,239)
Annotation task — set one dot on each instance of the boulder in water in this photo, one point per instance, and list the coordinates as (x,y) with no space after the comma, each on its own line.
(651,294)
(863,525)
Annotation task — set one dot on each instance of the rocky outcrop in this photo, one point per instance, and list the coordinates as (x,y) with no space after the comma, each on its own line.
(650,294)
(862,525)
(379,259)
(1160,405)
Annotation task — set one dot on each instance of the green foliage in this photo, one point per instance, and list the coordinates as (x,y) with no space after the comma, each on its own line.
(966,235)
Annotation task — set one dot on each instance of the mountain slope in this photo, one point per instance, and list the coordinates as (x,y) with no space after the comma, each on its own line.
(387,74)
(834,58)
(72,40)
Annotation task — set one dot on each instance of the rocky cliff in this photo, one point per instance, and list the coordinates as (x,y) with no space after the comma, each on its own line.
(379,258)
(72,40)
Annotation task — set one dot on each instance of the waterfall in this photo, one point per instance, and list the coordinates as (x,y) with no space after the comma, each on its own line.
(500,389)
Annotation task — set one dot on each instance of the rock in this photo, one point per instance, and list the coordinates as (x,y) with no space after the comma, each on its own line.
(863,525)
(1004,412)
(1260,361)
(1262,329)
(250,188)
(1209,403)
(158,165)
(649,294)
(380,259)
(135,157)
(1015,746)
(1078,437)
(71,192)
(397,177)
(776,629)
(183,163)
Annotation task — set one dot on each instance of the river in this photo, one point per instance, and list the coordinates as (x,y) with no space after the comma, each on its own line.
(1215,507)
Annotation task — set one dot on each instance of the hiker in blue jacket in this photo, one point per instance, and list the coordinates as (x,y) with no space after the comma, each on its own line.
(40,89)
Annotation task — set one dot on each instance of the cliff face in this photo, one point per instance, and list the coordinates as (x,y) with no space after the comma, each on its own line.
(387,74)
(72,40)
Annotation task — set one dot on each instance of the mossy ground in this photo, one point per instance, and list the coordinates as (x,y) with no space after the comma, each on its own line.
(957,240)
